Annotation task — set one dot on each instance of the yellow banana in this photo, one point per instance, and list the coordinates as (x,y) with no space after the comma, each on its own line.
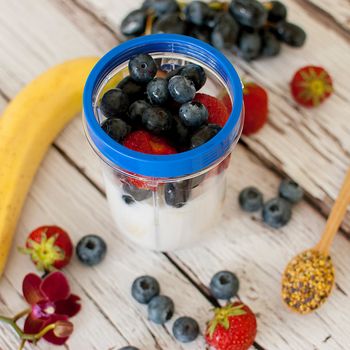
(27,128)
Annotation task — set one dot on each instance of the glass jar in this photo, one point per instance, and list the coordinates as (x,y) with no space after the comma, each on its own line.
(165,202)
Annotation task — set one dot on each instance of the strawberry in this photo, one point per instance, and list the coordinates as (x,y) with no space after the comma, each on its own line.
(217,111)
(226,100)
(49,247)
(232,328)
(145,142)
(256,107)
(224,164)
(311,85)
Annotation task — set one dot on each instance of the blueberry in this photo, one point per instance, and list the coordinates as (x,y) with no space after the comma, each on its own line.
(195,73)
(201,33)
(211,19)
(197,180)
(91,250)
(193,114)
(157,91)
(176,71)
(224,285)
(270,45)
(144,289)
(276,11)
(129,348)
(177,193)
(134,90)
(161,7)
(204,134)
(136,111)
(116,128)
(181,89)
(225,32)
(157,120)
(179,132)
(249,45)
(134,23)
(250,13)
(250,199)
(160,309)
(142,68)
(185,329)
(128,199)
(291,191)
(136,193)
(114,104)
(277,212)
(197,12)
(170,23)
(290,34)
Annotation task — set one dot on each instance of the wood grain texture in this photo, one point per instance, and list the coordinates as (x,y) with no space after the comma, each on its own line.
(338,10)
(68,191)
(296,142)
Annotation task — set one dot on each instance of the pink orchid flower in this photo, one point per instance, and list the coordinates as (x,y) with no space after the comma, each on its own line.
(51,302)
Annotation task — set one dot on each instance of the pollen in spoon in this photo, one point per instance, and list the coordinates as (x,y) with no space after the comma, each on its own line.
(307,281)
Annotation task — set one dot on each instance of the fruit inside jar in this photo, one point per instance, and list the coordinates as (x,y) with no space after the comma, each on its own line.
(161,113)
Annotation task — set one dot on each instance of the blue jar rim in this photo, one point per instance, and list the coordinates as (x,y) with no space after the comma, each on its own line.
(174,165)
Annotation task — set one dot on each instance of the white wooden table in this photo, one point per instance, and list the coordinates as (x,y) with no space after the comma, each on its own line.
(310,146)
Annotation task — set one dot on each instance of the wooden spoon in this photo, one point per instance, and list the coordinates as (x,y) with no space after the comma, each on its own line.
(309,277)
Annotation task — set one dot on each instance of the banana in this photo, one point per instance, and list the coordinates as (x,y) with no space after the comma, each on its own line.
(28,126)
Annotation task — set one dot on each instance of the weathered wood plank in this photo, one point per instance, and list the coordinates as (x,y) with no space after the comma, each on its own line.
(338,10)
(242,244)
(260,271)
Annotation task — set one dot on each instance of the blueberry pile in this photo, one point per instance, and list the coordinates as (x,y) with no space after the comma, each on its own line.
(160,103)
(160,308)
(277,211)
(250,28)
(162,106)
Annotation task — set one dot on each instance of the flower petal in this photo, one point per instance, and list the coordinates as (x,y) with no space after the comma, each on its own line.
(69,307)
(63,329)
(50,336)
(55,286)
(31,288)
(33,325)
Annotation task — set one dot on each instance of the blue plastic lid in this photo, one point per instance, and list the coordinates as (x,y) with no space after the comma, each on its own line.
(164,166)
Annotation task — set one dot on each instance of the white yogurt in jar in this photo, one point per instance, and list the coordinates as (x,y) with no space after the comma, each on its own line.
(153,224)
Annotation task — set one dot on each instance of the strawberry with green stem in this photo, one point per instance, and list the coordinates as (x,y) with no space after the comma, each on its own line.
(49,247)
(232,328)
(311,85)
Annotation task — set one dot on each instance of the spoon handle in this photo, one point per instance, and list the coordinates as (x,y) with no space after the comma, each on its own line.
(336,217)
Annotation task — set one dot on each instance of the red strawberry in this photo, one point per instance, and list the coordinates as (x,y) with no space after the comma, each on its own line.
(226,100)
(232,328)
(311,85)
(49,248)
(218,113)
(256,108)
(224,164)
(145,142)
